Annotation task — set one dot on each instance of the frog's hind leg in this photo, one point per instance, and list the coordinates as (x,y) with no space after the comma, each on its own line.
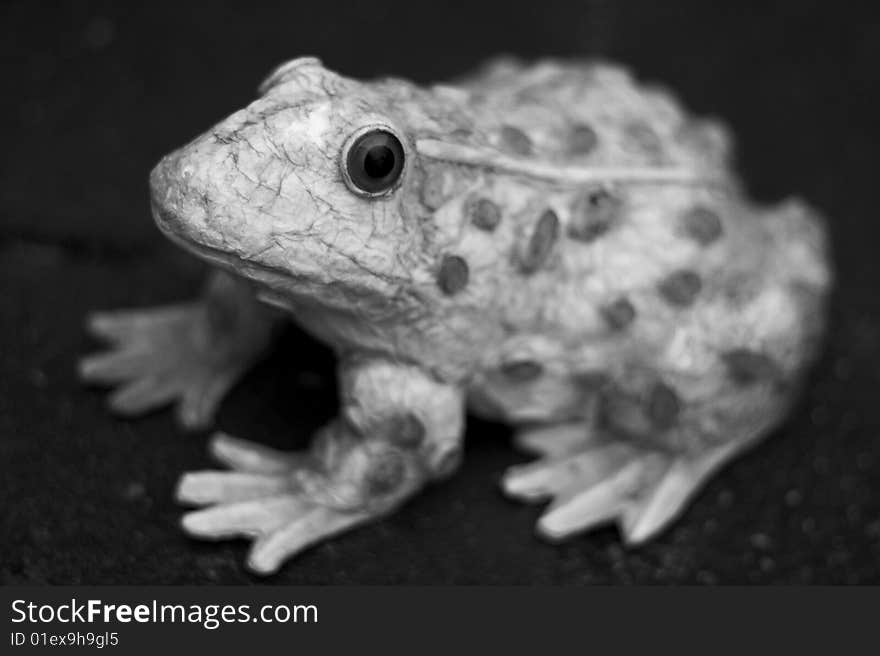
(640,468)
(641,490)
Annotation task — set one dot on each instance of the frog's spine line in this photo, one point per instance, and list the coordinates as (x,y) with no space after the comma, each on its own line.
(468,156)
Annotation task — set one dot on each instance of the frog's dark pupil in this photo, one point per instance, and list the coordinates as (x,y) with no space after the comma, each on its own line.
(379,162)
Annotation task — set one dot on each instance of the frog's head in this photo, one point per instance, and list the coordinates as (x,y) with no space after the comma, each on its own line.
(303,191)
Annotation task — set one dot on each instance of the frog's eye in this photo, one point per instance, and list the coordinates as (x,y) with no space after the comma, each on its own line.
(372,162)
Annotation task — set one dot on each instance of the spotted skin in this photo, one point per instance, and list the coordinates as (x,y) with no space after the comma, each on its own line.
(565,249)
(453,275)
(703,225)
(592,215)
(663,407)
(582,140)
(643,137)
(406,430)
(747,367)
(433,193)
(619,314)
(536,250)
(485,214)
(680,288)
(516,140)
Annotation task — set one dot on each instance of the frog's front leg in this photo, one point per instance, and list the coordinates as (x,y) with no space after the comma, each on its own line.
(398,429)
(189,353)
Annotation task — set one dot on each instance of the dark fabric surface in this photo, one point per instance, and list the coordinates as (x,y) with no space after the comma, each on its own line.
(95,93)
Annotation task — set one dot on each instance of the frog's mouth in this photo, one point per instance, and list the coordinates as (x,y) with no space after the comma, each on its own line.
(166,220)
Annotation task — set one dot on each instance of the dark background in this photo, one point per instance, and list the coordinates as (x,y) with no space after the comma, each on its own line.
(94,93)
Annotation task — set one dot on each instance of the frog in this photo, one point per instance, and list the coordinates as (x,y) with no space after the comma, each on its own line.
(552,244)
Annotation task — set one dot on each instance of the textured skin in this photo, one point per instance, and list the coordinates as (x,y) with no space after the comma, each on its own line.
(565,248)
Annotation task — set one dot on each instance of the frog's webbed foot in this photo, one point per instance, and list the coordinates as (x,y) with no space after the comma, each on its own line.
(593,482)
(286,502)
(191,354)
(398,429)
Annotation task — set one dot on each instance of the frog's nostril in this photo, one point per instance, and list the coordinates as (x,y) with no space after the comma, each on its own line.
(170,184)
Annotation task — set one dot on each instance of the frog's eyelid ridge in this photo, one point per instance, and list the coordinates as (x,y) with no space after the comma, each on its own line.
(484,158)
(284,71)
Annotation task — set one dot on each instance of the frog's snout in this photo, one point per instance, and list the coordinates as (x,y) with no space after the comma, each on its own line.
(164,195)
(177,197)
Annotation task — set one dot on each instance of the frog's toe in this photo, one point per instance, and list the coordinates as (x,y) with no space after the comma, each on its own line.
(281,526)
(599,498)
(255,472)
(659,504)
(243,519)
(555,476)
(143,388)
(642,490)
(200,397)
(553,440)
(142,395)
(207,487)
(318,523)
(129,326)
(114,366)
(247,456)
(664,498)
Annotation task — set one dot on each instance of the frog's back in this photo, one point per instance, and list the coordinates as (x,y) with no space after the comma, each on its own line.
(602,223)
(592,113)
